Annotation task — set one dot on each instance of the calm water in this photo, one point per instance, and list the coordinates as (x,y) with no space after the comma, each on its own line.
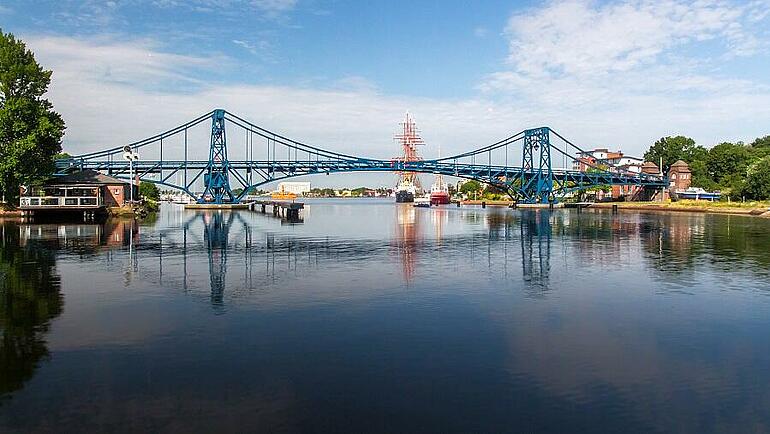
(373,317)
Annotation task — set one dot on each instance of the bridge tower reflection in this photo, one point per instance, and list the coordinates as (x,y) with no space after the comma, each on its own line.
(216,232)
(535,232)
(216,238)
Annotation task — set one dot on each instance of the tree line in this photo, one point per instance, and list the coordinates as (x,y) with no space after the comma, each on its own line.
(738,170)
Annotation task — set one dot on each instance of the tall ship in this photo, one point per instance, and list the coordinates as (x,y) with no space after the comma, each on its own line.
(439,192)
(408,138)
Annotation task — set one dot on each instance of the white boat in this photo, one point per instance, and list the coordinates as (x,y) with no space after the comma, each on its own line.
(405,191)
(698,193)
(422,202)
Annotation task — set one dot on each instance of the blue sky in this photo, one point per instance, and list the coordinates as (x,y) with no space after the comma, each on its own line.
(341,74)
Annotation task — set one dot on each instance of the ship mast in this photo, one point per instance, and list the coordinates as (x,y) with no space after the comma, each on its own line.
(409,138)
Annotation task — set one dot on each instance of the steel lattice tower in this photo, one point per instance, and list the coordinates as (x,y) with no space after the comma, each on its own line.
(537,181)
(217,178)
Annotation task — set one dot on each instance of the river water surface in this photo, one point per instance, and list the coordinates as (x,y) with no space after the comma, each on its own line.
(373,317)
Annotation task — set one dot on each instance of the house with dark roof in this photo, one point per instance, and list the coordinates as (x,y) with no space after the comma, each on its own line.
(83,190)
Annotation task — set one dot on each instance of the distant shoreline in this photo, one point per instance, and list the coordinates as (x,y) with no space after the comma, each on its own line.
(707,208)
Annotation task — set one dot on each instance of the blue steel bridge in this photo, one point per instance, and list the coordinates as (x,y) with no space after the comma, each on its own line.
(238,154)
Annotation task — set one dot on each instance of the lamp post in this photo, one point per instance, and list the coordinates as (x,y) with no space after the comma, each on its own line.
(131,156)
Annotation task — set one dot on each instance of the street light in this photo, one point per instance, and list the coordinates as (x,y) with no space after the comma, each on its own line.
(131,156)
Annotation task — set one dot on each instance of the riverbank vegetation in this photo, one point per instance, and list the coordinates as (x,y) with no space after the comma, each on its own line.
(740,171)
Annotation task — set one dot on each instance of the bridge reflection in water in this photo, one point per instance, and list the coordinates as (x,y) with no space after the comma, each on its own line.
(215,246)
(232,243)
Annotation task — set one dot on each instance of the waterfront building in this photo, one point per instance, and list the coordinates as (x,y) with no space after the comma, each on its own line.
(83,190)
(603,156)
(679,176)
(298,188)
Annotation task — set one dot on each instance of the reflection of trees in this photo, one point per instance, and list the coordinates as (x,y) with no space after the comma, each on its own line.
(29,299)
(676,244)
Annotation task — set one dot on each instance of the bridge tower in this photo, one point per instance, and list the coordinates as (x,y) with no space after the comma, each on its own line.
(216,178)
(536,169)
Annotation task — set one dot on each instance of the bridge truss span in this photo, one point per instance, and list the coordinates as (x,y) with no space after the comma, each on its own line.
(238,156)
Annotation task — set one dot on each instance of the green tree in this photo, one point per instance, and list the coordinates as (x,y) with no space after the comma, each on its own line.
(757,185)
(671,149)
(470,187)
(30,131)
(761,142)
(726,160)
(149,190)
(696,157)
(760,147)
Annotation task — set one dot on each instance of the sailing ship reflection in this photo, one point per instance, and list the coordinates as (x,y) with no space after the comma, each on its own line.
(407,239)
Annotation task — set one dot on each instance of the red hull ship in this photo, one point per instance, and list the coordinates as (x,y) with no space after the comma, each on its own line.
(439,193)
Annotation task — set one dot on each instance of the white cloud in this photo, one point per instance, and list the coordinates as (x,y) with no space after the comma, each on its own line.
(577,37)
(137,64)
(271,8)
(274,5)
(258,47)
(625,68)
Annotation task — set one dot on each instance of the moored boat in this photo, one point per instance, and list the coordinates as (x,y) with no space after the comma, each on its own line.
(698,193)
(405,191)
(283,195)
(439,192)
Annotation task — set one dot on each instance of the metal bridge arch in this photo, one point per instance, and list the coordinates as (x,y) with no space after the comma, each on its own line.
(535,181)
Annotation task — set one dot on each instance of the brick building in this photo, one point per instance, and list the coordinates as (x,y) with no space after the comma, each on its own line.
(86,189)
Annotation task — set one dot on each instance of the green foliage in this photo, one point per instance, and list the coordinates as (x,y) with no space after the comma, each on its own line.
(62,156)
(599,168)
(470,187)
(30,131)
(671,149)
(723,167)
(761,142)
(148,190)
(726,159)
(700,175)
(757,185)
(493,193)
(323,192)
